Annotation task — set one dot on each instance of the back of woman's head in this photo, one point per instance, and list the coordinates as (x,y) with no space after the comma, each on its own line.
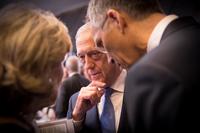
(32,45)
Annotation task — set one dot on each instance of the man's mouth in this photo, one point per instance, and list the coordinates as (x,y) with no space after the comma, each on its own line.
(95,76)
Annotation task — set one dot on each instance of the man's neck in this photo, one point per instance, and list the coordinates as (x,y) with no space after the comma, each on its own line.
(143,28)
(115,76)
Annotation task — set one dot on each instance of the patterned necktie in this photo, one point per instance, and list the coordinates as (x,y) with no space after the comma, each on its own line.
(107,118)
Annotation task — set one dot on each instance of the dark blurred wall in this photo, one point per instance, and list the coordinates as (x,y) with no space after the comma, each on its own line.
(3,3)
(182,7)
(74,19)
(72,12)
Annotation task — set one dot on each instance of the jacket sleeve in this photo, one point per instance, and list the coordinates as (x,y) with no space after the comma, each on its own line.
(72,102)
(61,103)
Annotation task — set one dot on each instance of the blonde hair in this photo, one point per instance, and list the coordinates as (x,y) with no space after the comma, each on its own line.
(33,42)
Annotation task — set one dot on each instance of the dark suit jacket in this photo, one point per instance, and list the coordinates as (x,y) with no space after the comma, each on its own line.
(68,88)
(162,89)
(92,123)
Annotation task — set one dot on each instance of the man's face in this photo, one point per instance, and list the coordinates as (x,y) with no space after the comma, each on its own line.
(118,34)
(95,63)
(106,43)
(108,38)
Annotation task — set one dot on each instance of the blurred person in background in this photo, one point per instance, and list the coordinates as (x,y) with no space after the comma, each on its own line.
(65,72)
(69,86)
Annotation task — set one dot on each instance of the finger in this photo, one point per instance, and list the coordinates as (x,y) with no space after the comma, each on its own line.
(100,92)
(90,95)
(88,88)
(96,92)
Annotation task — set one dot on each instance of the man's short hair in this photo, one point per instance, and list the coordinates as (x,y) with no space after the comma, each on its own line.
(138,9)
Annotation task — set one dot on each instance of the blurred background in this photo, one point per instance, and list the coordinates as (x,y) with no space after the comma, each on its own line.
(72,12)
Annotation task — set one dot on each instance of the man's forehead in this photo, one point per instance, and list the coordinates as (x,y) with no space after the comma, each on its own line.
(84,48)
(82,37)
(86,38)
(84,32)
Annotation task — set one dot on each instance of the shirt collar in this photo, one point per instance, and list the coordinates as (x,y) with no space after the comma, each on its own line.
(158,31)
(120,82)
(73,73)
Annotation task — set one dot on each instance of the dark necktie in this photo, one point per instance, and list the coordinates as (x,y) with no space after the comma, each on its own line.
(107,118)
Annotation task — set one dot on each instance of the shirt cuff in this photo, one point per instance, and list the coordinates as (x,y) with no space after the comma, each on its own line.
(78,125)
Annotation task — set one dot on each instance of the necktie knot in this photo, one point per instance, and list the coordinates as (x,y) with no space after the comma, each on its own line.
(108,92)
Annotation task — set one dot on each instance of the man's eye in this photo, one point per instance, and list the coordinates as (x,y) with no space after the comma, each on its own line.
(96,55)
(81,58)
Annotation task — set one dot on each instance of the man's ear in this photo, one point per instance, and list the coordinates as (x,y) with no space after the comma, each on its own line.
(118,18)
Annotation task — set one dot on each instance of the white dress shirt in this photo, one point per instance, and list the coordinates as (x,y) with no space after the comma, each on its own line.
(116,97)
(155,37)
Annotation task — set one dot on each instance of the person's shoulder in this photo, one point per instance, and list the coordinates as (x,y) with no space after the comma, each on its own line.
(84,80)
(74,96)
(73,99)
(67,81)
(72,78)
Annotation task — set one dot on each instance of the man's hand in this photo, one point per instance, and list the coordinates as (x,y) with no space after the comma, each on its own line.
(88,97)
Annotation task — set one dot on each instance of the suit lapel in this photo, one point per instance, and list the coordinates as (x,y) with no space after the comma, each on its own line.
(92,120)
(123,124)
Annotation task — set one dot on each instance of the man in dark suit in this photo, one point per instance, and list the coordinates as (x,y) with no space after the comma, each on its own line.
(87,107)
(162,87)
(69,86)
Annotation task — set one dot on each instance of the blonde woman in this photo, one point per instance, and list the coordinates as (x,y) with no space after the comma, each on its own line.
(32,45)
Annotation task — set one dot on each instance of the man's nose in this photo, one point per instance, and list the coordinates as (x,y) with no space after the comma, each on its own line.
(89,62)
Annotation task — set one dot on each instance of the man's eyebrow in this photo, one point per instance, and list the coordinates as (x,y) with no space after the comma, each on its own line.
(78,54)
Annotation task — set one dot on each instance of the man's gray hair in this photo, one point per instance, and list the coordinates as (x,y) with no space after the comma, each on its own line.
(138,9)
